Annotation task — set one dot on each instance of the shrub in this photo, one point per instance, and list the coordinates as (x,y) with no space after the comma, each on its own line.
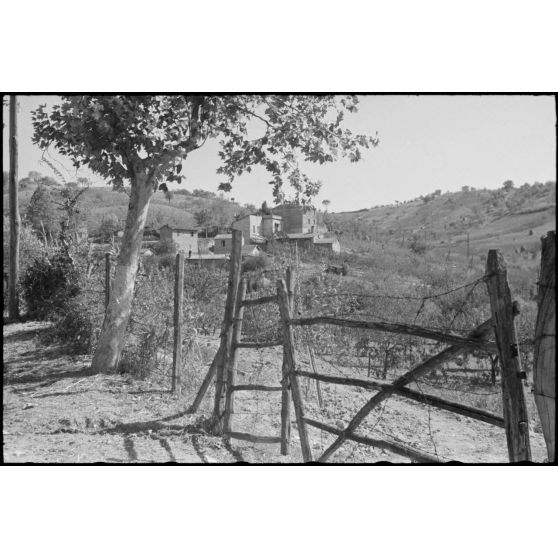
(47,285)
(255,263)
(73,327)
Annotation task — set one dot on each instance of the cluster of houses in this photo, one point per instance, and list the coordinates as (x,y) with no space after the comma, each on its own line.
(284,223)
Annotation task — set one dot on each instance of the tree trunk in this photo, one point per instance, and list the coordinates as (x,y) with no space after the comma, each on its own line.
(107,355)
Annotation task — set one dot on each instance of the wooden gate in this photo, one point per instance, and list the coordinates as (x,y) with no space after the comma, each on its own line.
(501,324)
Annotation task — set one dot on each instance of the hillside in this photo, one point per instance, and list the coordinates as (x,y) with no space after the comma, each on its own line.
(506,218)
(99,203)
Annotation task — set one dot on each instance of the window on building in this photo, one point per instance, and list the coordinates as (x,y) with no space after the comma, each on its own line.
(223,243)
(253,228)
(191,234)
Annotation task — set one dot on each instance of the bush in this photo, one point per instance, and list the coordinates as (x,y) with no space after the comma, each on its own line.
(73,327)
(47,285)
(255,263)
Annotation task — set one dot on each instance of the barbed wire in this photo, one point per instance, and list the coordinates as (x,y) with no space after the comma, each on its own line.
(451,388)
(401,297)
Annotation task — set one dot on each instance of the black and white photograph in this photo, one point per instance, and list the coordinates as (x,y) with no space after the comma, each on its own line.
(279,279)
(219,278)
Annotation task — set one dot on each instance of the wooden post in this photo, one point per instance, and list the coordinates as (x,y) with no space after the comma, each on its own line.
(544,374)
(231,370)
(206,382)
(369,363)
(289,353)
(178,315)
(290,287)
(235,271)
(107,279)
(315,370)
(515,410)
(285,381)
(13,304)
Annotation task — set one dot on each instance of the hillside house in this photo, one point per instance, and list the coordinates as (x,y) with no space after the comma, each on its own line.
(286,222)
(297,219)
(223,243)
(329,243)
(185,240)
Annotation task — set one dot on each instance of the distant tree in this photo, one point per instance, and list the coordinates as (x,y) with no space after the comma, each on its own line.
(204,218)
(199,193)
(250,208)
(508,185)
(326,203)
(109,226)
(465,189)
(222,213)
(169,196)
(264,210)
(42,213)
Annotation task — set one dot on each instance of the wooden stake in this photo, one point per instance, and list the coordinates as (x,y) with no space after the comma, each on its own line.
(178,316)
(285,382)
(544,374)
(315,370)
(13,298)
(231,370)
(515,410)
(290,367)
(207,381)
(107,278)
(235,271)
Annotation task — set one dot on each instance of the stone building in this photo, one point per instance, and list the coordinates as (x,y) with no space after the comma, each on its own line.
(184,240)
(223,243)
(297,219)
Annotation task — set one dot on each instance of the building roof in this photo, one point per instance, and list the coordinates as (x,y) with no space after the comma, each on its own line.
(294,236)
(257,238)
(223,236)
(180,229)
(325,240)
(210,256)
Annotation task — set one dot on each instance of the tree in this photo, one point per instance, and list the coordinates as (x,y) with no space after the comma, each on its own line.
(326,203)
(204,219)
(141,141)
(508,185)
(109,226)
(42,214)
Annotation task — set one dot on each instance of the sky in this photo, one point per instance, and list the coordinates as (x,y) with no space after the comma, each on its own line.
(427,142)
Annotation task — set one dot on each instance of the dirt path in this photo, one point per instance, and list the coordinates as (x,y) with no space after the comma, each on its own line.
(55,413)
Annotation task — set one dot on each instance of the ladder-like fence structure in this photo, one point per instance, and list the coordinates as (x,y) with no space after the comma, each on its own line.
(500,325)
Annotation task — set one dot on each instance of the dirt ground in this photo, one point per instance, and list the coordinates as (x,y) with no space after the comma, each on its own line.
(54,412)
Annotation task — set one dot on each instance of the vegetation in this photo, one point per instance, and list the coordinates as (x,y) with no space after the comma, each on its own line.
(140,142)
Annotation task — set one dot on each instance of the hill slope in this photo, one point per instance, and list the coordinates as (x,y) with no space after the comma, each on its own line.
(502,218)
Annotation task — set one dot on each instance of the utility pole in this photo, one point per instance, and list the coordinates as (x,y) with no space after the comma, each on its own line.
(13,305)
(467,246)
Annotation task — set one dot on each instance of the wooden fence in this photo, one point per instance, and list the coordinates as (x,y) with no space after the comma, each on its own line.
(500,325)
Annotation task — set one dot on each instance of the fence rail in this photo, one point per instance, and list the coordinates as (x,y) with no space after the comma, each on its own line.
(506,347)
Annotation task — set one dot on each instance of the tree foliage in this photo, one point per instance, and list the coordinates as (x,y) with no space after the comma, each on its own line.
(42,213)
(119,135)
